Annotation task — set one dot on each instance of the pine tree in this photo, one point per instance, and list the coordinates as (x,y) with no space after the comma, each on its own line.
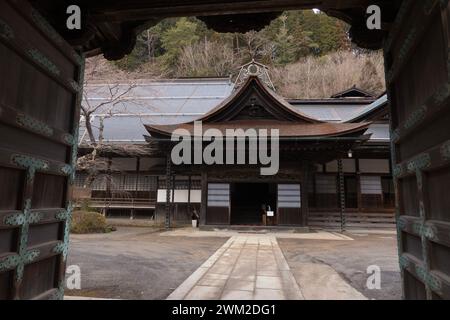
(174,39)
(285,47)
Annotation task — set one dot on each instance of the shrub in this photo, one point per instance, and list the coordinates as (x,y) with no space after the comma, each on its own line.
(89,222)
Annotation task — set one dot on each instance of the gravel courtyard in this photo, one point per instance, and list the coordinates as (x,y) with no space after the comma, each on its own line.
(140,263)
(350,260)
(136,263)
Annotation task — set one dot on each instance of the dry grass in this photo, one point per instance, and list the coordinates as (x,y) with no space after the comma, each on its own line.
(207,59)
(321,77)
(99,69)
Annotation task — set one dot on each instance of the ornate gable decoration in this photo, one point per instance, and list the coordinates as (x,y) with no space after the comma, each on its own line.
(254,69)
(255,101)
(253,107)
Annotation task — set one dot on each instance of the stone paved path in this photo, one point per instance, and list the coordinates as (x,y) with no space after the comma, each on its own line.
(247,267)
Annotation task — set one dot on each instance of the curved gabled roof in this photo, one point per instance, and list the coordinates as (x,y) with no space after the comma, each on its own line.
(274,113)
(288,112)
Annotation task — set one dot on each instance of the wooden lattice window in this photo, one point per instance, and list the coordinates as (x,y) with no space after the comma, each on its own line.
(218,195)
(326,191)
(147,183)
(371,192)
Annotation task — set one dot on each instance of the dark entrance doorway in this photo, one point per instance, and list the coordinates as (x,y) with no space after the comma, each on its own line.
(247,200)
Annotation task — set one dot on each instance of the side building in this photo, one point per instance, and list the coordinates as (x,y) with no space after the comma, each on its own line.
(127,179)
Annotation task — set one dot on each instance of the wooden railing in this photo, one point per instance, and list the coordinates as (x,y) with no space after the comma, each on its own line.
(120,203)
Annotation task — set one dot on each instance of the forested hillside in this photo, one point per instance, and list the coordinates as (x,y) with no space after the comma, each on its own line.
(309,55)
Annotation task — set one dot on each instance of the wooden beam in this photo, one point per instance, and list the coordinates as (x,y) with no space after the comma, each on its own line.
(304,193)
(342,194)
(189,195)
(168,191)
(358,185)
(204,199)
(141,11)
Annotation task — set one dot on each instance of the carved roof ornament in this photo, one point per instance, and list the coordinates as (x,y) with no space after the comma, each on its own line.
(254,69)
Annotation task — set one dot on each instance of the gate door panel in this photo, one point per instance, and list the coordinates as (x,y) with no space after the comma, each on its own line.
(417,75)
(40,86)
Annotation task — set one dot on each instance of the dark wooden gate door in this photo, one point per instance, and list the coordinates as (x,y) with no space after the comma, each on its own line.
(417,66)
(40,85)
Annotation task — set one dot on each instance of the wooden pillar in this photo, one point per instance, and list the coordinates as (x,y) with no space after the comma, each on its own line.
(136,186)
(312,176)
(174,208)
(168,191)
(204,200)
(304,194)
(109,178)
(382,194)
(358,186)
(189,196)
(342,194)
(138,169)
(156,200)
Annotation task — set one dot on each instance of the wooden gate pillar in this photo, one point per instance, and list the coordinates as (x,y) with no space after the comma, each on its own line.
(40,96)
(417,60)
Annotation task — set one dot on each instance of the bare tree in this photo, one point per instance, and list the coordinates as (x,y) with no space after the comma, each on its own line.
(151,41)
(321,77)
(210,58)
(116,94)
(110,100)
(255,46)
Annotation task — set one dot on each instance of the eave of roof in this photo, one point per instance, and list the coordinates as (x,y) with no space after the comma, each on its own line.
(332,101)
(286,129)
(373,107)
(362,93)
(162,81)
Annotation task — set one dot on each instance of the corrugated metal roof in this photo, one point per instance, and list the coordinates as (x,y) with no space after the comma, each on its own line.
(169,102)
(367,109)
(380,132)
(332,113)
(329,111)
(151,102)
